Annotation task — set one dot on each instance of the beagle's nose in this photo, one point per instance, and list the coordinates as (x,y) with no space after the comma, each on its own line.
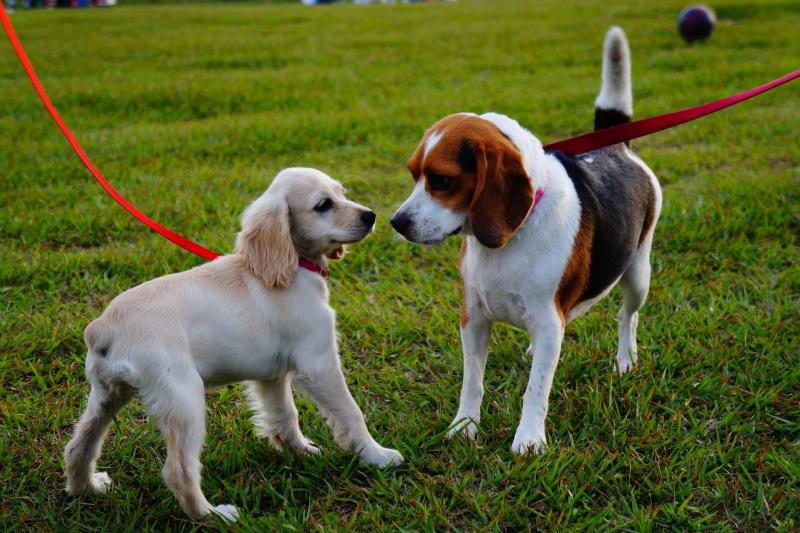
(400,222)
(368,218)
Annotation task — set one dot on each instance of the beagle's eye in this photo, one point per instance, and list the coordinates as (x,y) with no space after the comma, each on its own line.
(324,205)
(440,183)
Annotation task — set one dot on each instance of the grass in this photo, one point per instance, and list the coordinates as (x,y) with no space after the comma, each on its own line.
(190,110)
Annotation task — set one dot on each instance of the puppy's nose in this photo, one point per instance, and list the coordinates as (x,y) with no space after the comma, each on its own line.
(368,218)
(400,222)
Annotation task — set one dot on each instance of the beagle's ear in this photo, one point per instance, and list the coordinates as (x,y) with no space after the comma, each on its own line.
(503,194)
(338,253)
(265,243)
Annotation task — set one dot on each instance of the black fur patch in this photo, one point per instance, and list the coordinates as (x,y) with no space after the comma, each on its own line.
(605,118)
(466,157)
(616,196)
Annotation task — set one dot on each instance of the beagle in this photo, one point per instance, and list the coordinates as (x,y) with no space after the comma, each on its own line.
(259,315)
(546,235)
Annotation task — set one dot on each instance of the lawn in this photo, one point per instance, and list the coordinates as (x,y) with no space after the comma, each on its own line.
(190,110)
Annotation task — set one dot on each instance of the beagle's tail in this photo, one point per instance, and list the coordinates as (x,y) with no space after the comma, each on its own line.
(614,104)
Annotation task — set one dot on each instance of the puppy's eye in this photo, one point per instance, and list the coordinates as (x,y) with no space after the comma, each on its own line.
(324,205)
(440,183)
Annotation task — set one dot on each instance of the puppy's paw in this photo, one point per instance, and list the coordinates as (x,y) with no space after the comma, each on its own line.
(297,443)
(227,512)
(528,443)
(99,483)
(308,448)
(463,426)
(381,457)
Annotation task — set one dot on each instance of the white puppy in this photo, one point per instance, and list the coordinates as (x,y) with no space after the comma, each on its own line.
(259,314)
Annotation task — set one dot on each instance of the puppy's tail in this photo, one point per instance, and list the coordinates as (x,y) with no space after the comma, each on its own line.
(103,365)
(614,104)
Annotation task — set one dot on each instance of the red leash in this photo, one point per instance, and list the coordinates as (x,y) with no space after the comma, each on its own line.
(180,240)
(575,145)
(633,130)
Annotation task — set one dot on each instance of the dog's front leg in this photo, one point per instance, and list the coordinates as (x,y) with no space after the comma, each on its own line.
(275,415)
(327,389)
(547,331)
(474,342)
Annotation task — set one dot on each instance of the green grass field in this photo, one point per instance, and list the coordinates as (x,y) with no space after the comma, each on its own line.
(190,110)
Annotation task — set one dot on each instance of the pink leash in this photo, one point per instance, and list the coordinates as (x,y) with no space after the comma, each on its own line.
(575,145)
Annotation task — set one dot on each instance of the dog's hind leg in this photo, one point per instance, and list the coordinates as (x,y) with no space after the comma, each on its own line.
(275,415)
(178,406)
(80,455)
(635,283)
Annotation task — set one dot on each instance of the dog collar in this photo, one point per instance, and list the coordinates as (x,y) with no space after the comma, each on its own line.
(308,264)
(537,196)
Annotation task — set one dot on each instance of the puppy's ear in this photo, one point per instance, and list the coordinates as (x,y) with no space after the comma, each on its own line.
(338,253)
(503,194)
(265,243)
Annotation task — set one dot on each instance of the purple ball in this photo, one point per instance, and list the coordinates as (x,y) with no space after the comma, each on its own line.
(695,23)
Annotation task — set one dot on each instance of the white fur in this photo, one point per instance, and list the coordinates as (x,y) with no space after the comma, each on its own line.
(585,305)
(533,156)
(432,221)
(170,338)
(635,282)
(616,91)
(433,138)
(517,284)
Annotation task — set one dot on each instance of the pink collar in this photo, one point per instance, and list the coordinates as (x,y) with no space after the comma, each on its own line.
(536,197)
(308,264)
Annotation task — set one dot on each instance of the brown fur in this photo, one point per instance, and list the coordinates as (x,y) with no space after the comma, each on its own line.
(503,196)
(178,473)
(649,215)
(265,243)
(338,253)
(576,275)
(491,185)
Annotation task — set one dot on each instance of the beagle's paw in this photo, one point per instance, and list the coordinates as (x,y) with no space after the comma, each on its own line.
(625,362)
(528,442)
(463,426)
